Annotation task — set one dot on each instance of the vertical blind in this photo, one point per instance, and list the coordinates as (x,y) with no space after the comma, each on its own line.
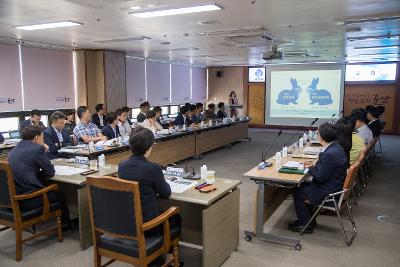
(10,79)
(199,85)
(158,83)
(180,84)
(48,78)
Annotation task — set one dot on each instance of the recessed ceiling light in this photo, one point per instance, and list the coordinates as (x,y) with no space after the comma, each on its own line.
(135,7)
(51,25)
(175,11)
(377,47)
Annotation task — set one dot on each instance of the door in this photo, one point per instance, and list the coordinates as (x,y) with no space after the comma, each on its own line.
(256,103)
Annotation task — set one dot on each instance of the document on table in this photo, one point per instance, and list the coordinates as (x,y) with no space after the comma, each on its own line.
(69,150)
(292,165)
(180,185)
(68,171)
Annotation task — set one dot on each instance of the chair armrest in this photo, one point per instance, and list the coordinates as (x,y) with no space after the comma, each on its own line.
(161,218)
(37,193)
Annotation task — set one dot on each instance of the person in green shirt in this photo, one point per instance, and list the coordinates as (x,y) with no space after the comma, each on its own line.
(357,144)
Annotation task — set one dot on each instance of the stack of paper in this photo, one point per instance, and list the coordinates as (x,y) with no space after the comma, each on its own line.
(67,171)
(292,165)
(180,185)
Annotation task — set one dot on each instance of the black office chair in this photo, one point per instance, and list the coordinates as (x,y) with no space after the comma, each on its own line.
(118,229)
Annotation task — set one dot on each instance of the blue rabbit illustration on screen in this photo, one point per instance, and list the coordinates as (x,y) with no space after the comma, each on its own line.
(320,96)
(286,97)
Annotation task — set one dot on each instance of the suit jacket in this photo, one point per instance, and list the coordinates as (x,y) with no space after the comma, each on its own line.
(328,173)
(375,127)
(109,132)
(221,114)
(28,122)
(151,181)
(29,164)
(210,115)
(1,138)
(140,117)
(96,120)
(180,120)
(51,139)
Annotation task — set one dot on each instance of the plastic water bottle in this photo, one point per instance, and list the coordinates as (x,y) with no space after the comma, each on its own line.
(284,151)
(91,146)
(203,172)
(301,140)
(102,161)
(278,157)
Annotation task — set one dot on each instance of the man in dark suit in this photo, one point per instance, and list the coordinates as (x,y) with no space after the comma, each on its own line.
(29,164)
(111,130)
(149,175)
(99,118)
(374,123)
(144,108)
(34,119)
(221,112)
(210,113)
(1,138)
(328,176)
(183,117)
(55,136)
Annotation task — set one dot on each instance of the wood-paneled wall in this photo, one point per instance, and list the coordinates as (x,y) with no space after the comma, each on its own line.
(232,79)
(115,79)
(95,78)
(80,65)
(101,78)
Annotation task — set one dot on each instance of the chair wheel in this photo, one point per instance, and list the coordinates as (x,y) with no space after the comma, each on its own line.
(297,247)
(248,238)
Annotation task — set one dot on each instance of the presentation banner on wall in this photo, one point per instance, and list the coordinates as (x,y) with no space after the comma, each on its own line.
(10,79)
(48,78)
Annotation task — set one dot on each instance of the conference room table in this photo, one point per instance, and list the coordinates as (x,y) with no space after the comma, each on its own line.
(179,145)
(210,221)
(273,188)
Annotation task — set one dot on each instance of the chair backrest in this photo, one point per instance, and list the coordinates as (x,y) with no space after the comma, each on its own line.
(115,207)
(349,182)
(14,134)
(7,186)
(361,156)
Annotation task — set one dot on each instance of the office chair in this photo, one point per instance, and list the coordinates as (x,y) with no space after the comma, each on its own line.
(13,217)
(119,234)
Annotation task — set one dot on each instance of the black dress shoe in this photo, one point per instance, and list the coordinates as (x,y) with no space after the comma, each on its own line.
(297,228)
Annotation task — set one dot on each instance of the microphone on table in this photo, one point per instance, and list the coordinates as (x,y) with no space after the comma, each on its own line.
(332,118)
(265,153)
(314,121)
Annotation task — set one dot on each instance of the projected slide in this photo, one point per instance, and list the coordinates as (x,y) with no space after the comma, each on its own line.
(305,94)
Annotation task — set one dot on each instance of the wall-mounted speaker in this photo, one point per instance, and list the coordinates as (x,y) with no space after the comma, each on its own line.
(219,74)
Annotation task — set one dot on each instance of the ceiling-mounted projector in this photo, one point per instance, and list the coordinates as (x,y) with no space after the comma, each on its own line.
(273,54)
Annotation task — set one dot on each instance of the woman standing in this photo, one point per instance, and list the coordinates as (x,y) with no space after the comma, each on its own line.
(233,101)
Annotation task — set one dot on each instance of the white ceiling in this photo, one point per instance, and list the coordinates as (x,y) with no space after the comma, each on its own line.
(307,30)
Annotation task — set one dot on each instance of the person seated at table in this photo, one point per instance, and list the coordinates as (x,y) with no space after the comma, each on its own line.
(34,119)
(149,175)
(183,117)
(29,165)
(144,108)
(192,110)
(70,122)
(124,127)
(197,116)
(374,124)
(55,137)
(357,143)
(86,131)
(1,138)
(221,111)
(158,112)
(99,118)
(381,110)
(360,118)
(128,111)
(328,176)
(111,130)
(151,123)
(344,133)
(210,113)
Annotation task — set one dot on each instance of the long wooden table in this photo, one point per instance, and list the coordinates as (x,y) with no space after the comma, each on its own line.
(273,189)
(179,146)
(210,220)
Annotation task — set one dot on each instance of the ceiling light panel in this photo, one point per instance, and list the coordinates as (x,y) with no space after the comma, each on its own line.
(119,40)
(51,25)
(171,11)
